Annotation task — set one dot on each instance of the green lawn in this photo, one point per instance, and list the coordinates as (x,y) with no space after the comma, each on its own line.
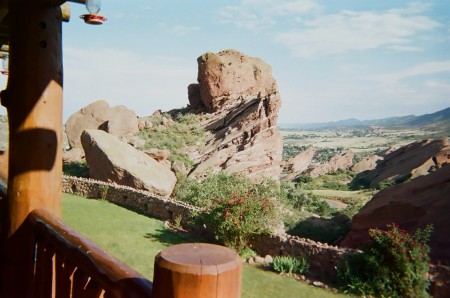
(136,239)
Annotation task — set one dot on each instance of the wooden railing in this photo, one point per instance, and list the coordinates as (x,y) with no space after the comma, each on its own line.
(69,265)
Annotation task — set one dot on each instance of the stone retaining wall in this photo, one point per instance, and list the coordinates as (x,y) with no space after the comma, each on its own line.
(322,257)
(139,200)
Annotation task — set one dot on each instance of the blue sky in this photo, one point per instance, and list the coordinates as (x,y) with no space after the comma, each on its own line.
(332,60)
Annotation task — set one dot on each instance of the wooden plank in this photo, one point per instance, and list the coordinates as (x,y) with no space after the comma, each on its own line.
(80,280)
(63,273)
(44,271)
(93,290)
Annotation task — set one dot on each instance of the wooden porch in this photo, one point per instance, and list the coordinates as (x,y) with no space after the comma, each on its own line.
(39,255)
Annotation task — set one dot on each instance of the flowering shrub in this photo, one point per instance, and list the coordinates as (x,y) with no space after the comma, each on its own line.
(236,219)
(393,265)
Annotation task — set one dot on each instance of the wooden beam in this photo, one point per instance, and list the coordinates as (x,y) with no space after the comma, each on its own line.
(34,101)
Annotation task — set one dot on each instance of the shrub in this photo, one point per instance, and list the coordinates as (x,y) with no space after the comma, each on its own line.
(235,220)
(175,137)
(303,179)
(393,265)
(222,185)
(288,264)
(76,168)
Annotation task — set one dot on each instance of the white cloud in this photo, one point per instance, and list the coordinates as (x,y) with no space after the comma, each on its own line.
(417,70)
(259,14)
(347,31)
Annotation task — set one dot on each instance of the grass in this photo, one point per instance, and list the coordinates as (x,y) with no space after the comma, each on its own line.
(136,239)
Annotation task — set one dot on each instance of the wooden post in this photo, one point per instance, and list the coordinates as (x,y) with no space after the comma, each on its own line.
(197,270)
(33,99)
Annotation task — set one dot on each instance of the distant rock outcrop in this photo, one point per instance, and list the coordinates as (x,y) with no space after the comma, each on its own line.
(112,160)
(116,120)
(424,200)
(366,164)
(408,162)
(298,164)
(338,162)
(241,99)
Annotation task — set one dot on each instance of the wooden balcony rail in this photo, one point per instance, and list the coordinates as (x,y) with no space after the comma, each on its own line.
(69,265)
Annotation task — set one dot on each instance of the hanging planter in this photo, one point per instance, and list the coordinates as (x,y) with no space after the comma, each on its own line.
(93,18)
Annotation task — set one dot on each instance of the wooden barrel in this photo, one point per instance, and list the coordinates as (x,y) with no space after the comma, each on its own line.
(197,270)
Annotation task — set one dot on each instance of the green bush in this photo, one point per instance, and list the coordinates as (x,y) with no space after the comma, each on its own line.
(76,168)
(175,137)
(393,265)
(303,179)
(222,185)
(235,220)
(288,264)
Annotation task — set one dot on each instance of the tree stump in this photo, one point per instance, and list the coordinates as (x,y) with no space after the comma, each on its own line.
(197,270)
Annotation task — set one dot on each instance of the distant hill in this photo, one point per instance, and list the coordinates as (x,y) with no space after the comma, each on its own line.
(437,119)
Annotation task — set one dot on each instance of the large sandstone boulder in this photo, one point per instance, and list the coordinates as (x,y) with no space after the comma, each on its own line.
(298,164)
(228,75)
(338,162)
(424,200)
(117,120)
(112,160)
(241,100)
(408,162)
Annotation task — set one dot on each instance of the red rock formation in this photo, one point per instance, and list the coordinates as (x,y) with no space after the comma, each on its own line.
(112,160)
(410,161)
(338,162)
(298,164)
(240,96)
(229,75)
(366,164)
(117,120)
(424,200)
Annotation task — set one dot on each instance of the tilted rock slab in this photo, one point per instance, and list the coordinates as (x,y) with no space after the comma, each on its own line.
(366,164)
(409,162)
(118,120)
(424,200)
(240,97)
(298,164)
(112,160)
(338,162)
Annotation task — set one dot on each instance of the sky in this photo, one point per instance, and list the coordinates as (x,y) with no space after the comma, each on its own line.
(332,60)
